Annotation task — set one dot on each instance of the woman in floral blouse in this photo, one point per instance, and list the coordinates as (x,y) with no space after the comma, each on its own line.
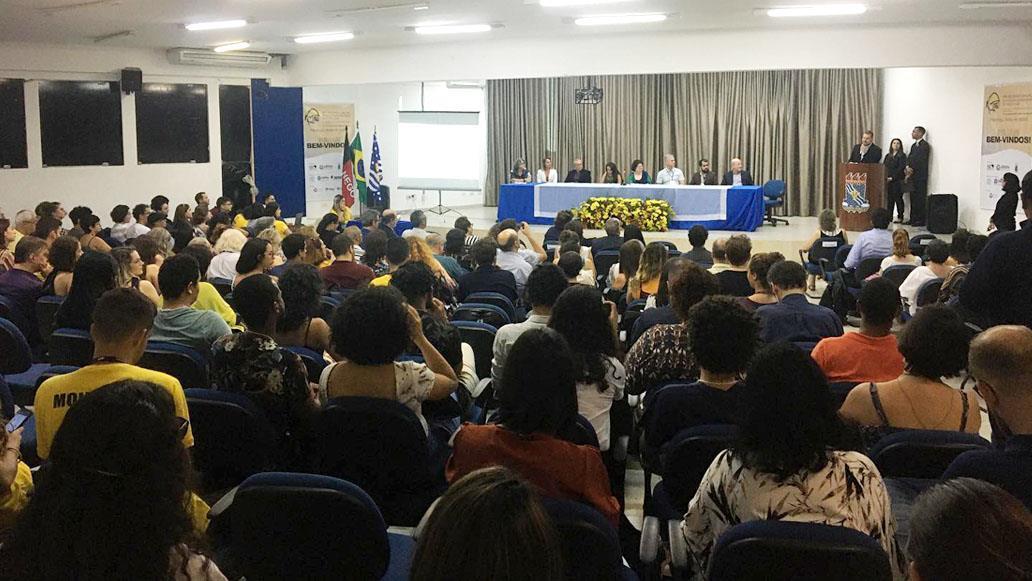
(790,464)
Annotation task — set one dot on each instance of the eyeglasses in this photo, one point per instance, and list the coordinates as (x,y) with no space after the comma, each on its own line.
(182,427)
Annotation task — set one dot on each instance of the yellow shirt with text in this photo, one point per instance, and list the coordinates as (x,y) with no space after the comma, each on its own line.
(57,394)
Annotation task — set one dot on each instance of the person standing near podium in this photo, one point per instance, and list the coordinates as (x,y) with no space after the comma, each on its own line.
(866,151)
(895,166)
(705,176)
(578,175)
(917,174)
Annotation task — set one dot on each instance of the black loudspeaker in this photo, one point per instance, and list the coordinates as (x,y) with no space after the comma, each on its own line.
(942,214)
(132,80)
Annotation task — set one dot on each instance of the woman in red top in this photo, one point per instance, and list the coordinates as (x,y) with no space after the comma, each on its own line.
(538,398)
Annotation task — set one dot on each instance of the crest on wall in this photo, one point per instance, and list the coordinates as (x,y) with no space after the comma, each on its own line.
(855,198)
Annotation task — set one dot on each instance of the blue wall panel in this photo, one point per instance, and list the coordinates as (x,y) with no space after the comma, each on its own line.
(279,144)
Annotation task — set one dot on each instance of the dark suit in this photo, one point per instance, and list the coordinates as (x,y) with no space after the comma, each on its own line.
(606,243)
(488,279)
(873,154)
(894,168)
(578,177)
(711,179)
(729,178)
(388,231)
(920,154)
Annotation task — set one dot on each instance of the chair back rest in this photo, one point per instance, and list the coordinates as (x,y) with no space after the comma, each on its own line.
(591,547)
(71,347)
(928,292)
(314,362)
(480,337)
(774,189)
(223,285)
(839,391)
(54,371)
(6,307)
(233,438)
(482,313)
(380,445)
(46,309)
(497,299)
(868,267)
(825,248)
(921,453)
(281,523)
(769,550)
(580,432)
(685,458)
(919,244)
(672,249)
(17,356)
(604,261)
(327,305)
(898,273)
(341,294)
(184,363)
(840,256)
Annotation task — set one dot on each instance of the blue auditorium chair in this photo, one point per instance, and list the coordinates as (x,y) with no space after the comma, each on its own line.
(480,337)
(482,313)
(921,453)
(898,273)
(314,362)
(19,373)
(497,299)
(591,547)
(184,363)
(71,347)
(232,437)
(604,261)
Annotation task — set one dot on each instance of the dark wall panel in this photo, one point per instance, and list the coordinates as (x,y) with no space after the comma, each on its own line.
(235,122)
(13,152)
(172,123)
(81,123)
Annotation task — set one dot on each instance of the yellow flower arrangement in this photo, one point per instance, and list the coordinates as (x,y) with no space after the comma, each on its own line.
(649,215)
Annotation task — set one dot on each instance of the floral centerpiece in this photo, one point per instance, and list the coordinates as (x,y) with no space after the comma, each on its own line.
(649,215)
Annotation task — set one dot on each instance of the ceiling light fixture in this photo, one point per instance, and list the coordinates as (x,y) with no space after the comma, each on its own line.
(977,5)
(616,19)
(221,25)
(817,10)
(324,37)
(421,7)
(564,3)
(231,47)
(452,29)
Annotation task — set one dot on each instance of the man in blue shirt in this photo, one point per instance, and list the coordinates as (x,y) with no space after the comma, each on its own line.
(874,243)
(1001,360)
(793,318)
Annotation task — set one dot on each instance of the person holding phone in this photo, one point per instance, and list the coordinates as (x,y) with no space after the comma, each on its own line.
(15,476)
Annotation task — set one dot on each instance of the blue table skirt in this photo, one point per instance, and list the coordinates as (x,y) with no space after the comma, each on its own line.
(744,207)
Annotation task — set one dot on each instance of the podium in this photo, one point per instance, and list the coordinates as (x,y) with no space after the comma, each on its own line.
(861,189)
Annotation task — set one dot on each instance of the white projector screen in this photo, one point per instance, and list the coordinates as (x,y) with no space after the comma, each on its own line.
(439,150)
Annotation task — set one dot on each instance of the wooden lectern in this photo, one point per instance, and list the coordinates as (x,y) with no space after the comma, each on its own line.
(861,188)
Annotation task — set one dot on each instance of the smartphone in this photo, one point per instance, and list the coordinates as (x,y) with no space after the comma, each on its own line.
(19,419)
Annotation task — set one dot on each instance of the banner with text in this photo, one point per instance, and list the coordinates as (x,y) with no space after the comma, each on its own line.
(1006,137)
(325,124)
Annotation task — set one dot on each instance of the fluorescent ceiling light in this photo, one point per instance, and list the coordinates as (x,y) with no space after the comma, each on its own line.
(232,46)
(817,10)
(615,19)
(220,25)
(421,7)
(452,29)
(324,37)
(561,3)
(976,5)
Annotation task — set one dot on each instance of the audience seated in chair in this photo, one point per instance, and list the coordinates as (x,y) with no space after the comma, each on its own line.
(950,288)
(544,286)
(1001,361)
(971,530)
(22,287)
(872,354)
(934,345)
(720,263)
(178,321)
(227,253)
(132,272)
(119,460)
(723,337)
(94,275)
(345,273)
(697,236)
(901,254)
(663,353)
(828,228)
(734,280)
(370,331)
(450,263)
(300,324)
(15,479)
(208,297)
(256,257)
(612,240)
(646,282)
(537,399)
(589,326)
(763,294)
(64,253)
(487,277)
(122,322)
(489,525)
(874,243)
(936,255)
(625,269)
(398,253)
(794,318)
(791,463)
(254,364)
(660,314)
(519,261)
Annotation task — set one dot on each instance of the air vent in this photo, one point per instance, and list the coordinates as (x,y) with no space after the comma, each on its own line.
(210,58)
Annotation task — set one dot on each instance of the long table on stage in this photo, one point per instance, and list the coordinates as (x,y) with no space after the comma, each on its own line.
(715,207)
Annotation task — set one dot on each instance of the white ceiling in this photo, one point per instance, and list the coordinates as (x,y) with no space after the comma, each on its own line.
(159,23)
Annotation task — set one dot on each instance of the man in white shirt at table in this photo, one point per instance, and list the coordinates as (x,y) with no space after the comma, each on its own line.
(671,174)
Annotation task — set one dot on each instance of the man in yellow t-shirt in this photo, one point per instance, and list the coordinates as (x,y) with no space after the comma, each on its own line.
(122,321)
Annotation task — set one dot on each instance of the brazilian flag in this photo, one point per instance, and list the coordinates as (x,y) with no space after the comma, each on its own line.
(360,173)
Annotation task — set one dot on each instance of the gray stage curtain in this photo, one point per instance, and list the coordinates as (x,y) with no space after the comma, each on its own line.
(794,125)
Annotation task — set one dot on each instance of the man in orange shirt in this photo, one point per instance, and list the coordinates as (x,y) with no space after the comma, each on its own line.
(872,354)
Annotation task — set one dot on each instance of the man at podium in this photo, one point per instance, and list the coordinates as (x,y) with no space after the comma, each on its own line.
(866,151)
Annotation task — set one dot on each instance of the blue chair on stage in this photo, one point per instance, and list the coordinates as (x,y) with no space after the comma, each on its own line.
(773,197)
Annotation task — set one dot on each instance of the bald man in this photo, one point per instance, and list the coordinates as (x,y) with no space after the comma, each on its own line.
(1001,361)
(578,175)
(515,259)
(670,174)
(738,176)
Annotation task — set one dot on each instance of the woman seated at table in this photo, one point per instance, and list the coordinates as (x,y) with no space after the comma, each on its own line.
(519,174)
(638,174)
(612,174)
(547,174)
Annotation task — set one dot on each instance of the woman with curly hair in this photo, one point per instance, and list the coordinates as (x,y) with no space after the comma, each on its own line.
(300,325)
(116,504)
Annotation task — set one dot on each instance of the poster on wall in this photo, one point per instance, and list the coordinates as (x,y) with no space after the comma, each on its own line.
(1006,137)
(325,126)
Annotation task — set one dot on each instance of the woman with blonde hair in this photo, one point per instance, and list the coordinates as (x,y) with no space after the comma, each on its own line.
(276,241)
(901,254)
(827,223)
(646,282)
(227,252)
(130,269)
(420,251)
